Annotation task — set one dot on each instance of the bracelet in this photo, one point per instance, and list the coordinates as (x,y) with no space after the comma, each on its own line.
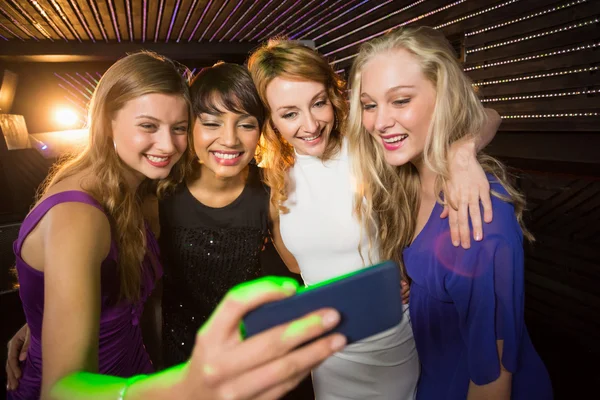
(128,384)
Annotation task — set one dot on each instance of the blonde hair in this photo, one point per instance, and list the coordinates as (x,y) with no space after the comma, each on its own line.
(391,194)
(289,59)
(132,76)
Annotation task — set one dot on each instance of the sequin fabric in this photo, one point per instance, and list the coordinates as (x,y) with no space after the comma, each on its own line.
(205,252)
(205,265)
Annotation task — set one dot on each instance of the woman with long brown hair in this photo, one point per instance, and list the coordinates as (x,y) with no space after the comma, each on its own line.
(308,167)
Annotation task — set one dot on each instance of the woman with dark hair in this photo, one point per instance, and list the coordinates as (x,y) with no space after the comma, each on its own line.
(215,223)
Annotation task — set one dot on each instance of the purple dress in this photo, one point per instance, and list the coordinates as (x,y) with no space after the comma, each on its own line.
(463,301)
(121,351)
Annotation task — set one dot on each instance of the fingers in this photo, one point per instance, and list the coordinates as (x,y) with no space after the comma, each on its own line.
(463,224)
(242,299)
(13,369)
(25,347)
(486,201)
(283,371)
(475,214)
(405,292)
(12,382)
(453,222)
(271,345)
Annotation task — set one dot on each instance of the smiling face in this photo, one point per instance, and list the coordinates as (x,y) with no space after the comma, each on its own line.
(398,103)
(225,142)
(150,134)
(302,113)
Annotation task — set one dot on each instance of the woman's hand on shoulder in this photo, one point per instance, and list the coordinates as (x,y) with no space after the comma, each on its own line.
(467,188)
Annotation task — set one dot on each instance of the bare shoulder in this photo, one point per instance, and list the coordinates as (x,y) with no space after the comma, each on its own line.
(83,224)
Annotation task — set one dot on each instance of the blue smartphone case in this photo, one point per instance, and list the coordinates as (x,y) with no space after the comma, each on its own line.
(369,302)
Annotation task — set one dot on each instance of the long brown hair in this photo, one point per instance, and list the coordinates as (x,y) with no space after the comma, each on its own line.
(132,76)
(289,59)
(392,193)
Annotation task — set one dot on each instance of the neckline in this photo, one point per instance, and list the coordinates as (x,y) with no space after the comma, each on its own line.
(305,159)
(425,227)
(236,201)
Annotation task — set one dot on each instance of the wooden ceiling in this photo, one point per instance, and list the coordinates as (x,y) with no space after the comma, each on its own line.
(36,27)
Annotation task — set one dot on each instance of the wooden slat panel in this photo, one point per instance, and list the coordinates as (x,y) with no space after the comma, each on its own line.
(181,16)
(542,22)
(259,22)
(575,311)
(585,252)
(544,105)
(9,25)
(544,267)
(365,13)
(121,14)
(572,326)
(21,21)
(165,18)
(506,13)
(72,19)
(566,38)
(563,290)
(580,57)
(589,124)
(574,80)
(152,15)
(88,15)
(572,267)
(105,17)
(55,18)
(31,11)
(416,11)
(253,12)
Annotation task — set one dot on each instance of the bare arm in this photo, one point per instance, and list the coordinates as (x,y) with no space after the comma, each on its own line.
(76,239)
(490,129)
(287,257)
(468,184)
(499,389)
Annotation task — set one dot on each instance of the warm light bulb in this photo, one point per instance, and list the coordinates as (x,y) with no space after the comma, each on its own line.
(66,117)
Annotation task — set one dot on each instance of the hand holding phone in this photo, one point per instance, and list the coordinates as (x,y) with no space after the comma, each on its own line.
(368,301)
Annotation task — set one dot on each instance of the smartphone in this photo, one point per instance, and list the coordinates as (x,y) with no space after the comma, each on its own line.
(369,302)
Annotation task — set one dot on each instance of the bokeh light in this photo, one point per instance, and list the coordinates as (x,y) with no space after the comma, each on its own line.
(65,117)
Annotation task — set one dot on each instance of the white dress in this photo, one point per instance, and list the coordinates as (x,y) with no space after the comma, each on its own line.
(321,231)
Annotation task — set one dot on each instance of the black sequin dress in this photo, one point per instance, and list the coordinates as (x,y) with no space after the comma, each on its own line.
(205,252)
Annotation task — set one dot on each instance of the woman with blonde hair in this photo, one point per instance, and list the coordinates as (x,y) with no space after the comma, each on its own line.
(87,262)
(308,167)
(466,306)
